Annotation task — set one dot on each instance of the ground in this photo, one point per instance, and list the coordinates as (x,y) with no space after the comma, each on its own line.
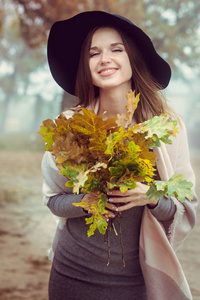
(27,229)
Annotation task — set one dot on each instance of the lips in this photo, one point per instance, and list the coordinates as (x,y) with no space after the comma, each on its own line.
(107,71)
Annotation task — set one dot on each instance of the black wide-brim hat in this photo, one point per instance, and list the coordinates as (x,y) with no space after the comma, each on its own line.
(66,38)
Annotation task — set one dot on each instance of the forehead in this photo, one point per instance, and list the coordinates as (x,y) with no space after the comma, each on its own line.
(106,34)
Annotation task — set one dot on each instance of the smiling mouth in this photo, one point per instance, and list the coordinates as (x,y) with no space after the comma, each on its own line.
(106,72)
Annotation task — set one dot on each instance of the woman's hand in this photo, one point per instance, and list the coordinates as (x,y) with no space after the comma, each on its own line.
(131,198)
(111,207)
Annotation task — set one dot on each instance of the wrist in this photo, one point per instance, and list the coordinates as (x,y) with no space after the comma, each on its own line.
(153,203)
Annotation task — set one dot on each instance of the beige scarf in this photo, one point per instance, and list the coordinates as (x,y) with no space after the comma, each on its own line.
(163,275)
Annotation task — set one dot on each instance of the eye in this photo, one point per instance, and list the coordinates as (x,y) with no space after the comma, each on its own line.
(94,54)
(117,50)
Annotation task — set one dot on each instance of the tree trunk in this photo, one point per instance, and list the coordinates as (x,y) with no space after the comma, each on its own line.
(37,113)
(4,112)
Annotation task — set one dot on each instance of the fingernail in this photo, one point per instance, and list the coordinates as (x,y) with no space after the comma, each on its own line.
(116,209)
(112,215)
(110,200)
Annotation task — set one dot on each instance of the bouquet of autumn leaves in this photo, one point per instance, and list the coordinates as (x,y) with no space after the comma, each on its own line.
(98,155)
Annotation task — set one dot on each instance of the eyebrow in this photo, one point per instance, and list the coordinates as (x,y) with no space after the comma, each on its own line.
(112,45)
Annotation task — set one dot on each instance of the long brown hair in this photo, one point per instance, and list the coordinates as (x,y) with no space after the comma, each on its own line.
(152,102)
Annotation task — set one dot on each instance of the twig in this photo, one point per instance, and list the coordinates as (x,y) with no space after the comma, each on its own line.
(120,230)
(107,239)
(108,242)
(113,225)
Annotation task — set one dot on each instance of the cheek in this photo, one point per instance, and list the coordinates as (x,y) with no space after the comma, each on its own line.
(128,68)
(130,72)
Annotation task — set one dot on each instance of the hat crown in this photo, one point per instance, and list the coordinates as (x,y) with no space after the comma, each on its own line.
(66,38)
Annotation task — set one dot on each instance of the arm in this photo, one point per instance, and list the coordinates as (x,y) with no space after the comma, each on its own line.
(164,210)
(61,205)
(57,197)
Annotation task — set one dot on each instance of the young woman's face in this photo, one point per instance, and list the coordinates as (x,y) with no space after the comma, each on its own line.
(108,60)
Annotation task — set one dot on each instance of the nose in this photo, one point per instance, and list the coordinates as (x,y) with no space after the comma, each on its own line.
(105,58)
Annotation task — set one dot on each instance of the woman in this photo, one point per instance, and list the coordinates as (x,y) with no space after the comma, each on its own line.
(99,57)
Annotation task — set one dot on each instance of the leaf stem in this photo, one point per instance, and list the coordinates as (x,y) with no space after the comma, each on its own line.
(108,242)
(122,246)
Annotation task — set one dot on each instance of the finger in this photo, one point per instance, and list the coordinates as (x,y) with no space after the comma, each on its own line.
(106,218)
(119,200)
(117,193)
(95,193)
(109,215)
(138,201)
(126,206)
(111,206)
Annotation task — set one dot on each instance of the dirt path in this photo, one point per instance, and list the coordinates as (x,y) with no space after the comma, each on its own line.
(27,228)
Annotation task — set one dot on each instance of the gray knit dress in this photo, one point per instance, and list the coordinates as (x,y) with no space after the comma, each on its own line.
(80,267)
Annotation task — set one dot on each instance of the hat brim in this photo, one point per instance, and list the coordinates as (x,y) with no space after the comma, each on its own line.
(66,38)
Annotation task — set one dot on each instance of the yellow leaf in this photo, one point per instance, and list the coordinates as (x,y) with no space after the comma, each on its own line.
(124,121)
(88,123)
(131,104)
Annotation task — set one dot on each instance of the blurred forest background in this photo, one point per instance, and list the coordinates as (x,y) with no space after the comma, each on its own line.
(29,95)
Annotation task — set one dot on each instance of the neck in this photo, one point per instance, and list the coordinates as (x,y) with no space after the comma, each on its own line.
(112,102)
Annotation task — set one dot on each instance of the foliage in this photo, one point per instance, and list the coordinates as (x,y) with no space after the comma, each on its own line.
(97,155)
(174,187)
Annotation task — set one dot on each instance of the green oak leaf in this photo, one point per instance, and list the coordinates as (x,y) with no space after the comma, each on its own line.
(176,186)
(97,154)
(47,131)
(158,129)
(92,228)
(154,193)
(82,177)
(102,225)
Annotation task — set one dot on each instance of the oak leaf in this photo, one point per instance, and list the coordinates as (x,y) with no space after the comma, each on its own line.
(88,123)
(131,104)
(47,131)
(97,154)
(82,177)
(176,186)
(157,129)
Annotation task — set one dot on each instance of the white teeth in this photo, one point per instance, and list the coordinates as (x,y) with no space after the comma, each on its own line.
(107,71)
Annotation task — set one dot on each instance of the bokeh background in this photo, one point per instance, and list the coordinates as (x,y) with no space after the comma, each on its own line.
(28,95)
